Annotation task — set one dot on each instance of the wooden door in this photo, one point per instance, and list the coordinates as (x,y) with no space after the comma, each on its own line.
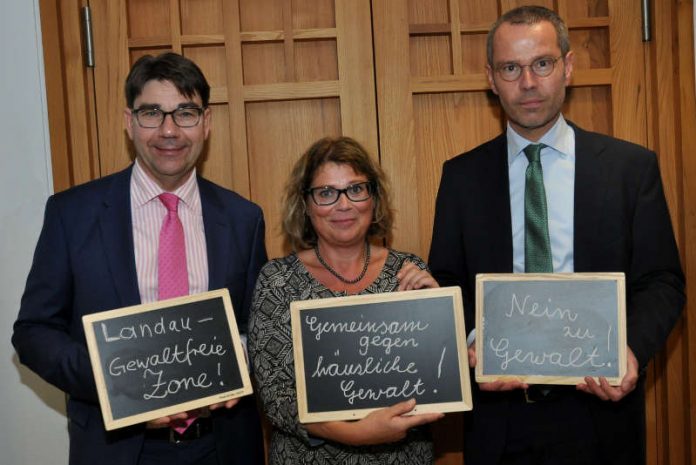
(285,72)
(434,102)
(282,74)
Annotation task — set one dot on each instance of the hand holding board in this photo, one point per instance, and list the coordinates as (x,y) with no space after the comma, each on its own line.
(356,354)
(166,357)
(550,328)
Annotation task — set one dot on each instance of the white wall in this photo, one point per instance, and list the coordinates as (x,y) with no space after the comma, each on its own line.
(33,426)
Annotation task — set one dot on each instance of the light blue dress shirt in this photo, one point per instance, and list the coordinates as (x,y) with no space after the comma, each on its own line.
(558,165)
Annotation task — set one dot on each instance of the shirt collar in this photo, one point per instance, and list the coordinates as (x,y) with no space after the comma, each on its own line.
(144,189)
(559,138)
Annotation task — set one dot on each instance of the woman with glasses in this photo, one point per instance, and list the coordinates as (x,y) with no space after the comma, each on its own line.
(336,212)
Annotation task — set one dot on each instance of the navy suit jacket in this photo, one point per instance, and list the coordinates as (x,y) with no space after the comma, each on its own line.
(621,223)
(84,263)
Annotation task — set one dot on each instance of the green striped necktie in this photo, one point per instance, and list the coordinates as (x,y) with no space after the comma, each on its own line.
(537,245)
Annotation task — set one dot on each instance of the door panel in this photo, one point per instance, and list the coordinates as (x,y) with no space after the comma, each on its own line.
(431,86)
(285,72)
(282,74)
(434,101)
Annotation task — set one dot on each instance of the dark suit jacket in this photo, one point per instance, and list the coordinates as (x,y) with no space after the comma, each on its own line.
(621,223)
(84,263)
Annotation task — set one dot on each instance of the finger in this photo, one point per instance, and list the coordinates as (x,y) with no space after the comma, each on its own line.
(166,421)
(422,280)
(608,390)
(426,282)
(179,416)
(472,356)
(228,404)
(231,403)
(628,383)
(615,394)
(499,386)
(408,278)
(158,423)
(402,407)
(422,419)
(405,268)
(595,389)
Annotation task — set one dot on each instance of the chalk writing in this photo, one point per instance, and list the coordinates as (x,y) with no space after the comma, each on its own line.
(405,391)
(168,356)
(381,327)
(368,366)
(554,327)
(575,357)
(162,388)
(379,354)
(538,310)
(147,330)
(161,357)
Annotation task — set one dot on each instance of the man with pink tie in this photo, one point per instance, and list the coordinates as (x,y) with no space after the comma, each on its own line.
(153,231)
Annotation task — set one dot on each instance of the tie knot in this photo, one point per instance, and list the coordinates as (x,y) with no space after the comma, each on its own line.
(170,201)
(533,152)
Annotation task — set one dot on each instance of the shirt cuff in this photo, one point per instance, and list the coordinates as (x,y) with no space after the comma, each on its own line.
(243,340)
(471,338)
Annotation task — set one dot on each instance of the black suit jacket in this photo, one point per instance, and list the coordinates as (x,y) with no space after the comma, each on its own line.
(84,263)
(621,223)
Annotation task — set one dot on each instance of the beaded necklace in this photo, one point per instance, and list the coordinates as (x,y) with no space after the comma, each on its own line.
(336,273)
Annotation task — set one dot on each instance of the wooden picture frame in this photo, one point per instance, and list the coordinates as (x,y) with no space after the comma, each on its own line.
(156,359)
(356,354)
(550,328)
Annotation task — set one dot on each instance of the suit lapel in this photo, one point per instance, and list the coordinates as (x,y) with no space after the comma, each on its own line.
(590,191)
(496,207)
(216,235)
(117,232)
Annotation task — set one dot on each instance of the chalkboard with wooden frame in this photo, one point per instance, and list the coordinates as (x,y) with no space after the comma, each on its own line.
(550,328)
(356,354)
(166,357)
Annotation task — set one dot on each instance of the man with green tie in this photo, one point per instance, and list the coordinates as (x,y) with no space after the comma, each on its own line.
(547,196)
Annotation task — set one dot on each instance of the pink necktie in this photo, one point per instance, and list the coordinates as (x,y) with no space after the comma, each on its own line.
(172,275)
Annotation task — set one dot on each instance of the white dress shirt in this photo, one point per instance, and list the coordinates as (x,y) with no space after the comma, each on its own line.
(558,165)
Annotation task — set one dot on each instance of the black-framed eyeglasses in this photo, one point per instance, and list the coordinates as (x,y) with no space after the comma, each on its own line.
(327,195)
(184,117)
(541,67)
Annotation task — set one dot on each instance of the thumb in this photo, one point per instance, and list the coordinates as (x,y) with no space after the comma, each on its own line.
(403,407)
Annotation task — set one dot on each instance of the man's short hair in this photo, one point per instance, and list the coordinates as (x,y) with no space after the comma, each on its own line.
(186,76)
(530,15)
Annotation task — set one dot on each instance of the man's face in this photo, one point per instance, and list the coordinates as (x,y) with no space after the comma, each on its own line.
(168,153)
(532,103)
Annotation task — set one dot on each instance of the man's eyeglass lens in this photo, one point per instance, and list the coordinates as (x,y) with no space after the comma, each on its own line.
(185,117)
(541,67)
(329,195)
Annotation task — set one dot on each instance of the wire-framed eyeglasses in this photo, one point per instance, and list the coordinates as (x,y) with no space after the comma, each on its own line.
(541,67)
(153,117)
(327,195)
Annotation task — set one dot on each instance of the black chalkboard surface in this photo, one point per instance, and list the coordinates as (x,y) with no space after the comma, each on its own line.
(166,357)
(359,353)
(551,328)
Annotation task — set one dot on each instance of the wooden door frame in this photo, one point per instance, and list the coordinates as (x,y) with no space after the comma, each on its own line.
(669,58)
(671,113)
(69,95)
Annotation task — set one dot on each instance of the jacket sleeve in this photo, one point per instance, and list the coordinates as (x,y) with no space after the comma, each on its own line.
(655,281)
(257,258)
(447,255)
(43,332)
